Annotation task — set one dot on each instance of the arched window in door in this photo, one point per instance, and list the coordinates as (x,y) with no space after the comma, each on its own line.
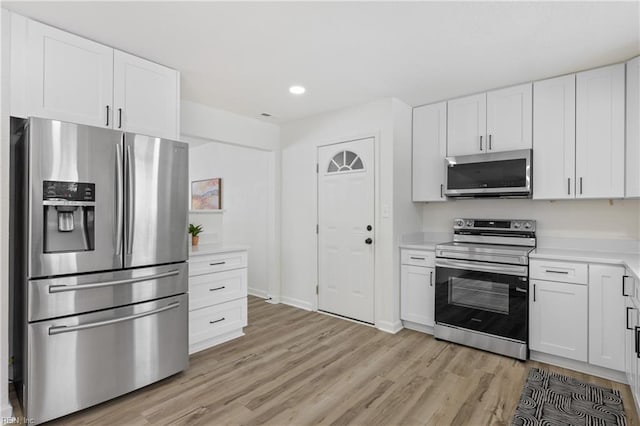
(345,161)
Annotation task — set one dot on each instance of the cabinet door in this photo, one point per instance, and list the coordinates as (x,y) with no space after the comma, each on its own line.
(633,128)
(467,125)
(69,78)
(606,317)
(509,113)
(600,107)
(630,355)
(554,138)
(429,151)
(146,97)
(558,319)
(417,295)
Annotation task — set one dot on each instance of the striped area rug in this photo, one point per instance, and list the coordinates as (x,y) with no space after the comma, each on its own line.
(553,399)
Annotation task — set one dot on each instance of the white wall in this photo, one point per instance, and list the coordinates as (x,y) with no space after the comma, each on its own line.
(201,121)
(300,140)
(587,219)
(5,407)
(246,189)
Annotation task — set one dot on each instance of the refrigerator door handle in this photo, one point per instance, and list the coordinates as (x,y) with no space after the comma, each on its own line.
(119,200)
(69,329)
(64,288)
(130,200)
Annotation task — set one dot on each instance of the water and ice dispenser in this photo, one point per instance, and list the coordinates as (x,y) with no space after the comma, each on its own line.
(69,216)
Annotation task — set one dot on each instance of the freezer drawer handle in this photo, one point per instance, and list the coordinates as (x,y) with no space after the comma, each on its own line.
(65,329)
(63,288)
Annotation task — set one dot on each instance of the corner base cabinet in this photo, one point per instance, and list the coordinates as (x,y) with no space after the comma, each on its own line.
(217,298)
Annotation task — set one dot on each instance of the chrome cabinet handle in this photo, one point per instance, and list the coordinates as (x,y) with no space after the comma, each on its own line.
(489,142)
(568,186)
(69,329)
(417,258)
(119,118)
(217,263)
(431,278)
(637,341)
(63,288)
(107,116)
(556,272)
(130,200)
(441,188)
(624,277)
(219,320)
(534,292)
(217,288)
(480,142)
(119,199)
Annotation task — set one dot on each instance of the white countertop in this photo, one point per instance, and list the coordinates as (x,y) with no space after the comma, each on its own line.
(424,245)
(202,249)
(630,260)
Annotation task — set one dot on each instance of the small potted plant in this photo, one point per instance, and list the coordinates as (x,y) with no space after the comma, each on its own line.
(195,230)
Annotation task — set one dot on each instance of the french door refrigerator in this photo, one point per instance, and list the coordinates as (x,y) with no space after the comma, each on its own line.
(99,279)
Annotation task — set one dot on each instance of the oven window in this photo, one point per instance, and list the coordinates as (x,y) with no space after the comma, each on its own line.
(477,294)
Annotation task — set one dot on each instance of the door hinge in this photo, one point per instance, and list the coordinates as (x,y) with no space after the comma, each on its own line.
(317,229)
(317,168)
(317,289)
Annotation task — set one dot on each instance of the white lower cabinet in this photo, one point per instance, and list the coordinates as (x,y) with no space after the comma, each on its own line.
(606,316)
(632,336)
(558,321)
(217,298)
(417,287)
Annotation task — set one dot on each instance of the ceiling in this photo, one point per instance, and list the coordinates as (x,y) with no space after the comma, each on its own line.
(243,56)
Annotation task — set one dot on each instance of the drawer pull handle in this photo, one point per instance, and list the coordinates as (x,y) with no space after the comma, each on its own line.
(637,340)
(628,309)
(217,288)
(557,272)
(217,263)
(417,258)
(624,293)
(220,320)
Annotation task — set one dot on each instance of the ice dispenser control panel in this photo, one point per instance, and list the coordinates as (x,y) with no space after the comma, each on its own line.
(69,191)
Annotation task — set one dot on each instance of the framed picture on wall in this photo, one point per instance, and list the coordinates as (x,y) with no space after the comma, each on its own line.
(206,194)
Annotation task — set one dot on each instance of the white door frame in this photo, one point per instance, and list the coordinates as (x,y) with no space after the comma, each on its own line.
(376,219)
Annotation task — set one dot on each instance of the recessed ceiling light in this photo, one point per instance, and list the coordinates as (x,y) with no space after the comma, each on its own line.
(297,90)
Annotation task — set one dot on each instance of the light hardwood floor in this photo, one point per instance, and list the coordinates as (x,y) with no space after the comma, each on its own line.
(304,368)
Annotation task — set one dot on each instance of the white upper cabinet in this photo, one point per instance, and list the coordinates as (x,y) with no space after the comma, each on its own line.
(69,78)
(554,138)
(499,120)
(606,317)
(600,110)
(633,128)
(145,96)
(429,151)
(509,118)
(467,125)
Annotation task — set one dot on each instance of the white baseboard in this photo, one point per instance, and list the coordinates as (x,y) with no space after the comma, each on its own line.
(582,367)
(418,327)
(389,327)
(258,293)
(296,303)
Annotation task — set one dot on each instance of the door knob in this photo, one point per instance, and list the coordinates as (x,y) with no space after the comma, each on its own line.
(368,241)
(369,227)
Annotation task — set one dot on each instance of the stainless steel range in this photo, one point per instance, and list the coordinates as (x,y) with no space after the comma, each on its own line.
(482,285)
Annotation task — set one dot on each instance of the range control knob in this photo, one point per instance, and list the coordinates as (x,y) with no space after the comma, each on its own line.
(459,223)
(527,225)
(516,225)
(470,223)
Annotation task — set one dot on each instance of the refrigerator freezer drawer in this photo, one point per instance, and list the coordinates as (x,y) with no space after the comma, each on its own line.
(73,295)
(80,361)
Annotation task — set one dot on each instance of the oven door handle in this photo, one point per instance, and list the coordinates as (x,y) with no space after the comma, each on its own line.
(516,270)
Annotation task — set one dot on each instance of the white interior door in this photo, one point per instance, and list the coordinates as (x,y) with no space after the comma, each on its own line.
(346,236)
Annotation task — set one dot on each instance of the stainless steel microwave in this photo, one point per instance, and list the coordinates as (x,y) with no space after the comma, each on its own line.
(497,174)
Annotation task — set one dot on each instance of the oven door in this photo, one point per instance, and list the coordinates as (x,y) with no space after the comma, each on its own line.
(486,297)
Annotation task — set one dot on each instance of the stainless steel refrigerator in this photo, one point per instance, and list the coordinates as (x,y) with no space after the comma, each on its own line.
(99,272)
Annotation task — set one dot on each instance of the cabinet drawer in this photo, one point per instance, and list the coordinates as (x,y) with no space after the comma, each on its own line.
(207,323)
(566,272)
(206,264)
(418,258)
(218,287)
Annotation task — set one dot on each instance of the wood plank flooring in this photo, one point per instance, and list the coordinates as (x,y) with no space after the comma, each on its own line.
(304,368)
